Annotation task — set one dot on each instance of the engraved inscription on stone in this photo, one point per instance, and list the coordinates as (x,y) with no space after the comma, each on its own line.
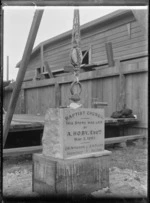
(83,131)
(73,132)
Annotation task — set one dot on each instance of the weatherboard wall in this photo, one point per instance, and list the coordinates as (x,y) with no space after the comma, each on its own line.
(125,34)
(102,84)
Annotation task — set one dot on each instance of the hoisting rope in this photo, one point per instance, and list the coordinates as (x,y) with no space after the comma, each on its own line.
(76,57)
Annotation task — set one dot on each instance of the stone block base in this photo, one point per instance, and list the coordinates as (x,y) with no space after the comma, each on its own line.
(53,176)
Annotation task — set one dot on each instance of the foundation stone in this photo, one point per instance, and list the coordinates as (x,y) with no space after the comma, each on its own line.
(73,132)
(73,160)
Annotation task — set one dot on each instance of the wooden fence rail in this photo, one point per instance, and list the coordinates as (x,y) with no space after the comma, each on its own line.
(38,149)
(102,84)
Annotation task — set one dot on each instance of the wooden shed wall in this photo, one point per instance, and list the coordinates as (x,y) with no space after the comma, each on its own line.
(20,102)
(126,36)
(102,84)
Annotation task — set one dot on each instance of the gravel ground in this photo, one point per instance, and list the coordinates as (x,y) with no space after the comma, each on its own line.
(128,174)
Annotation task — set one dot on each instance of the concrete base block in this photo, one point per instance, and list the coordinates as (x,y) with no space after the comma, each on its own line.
(53,176)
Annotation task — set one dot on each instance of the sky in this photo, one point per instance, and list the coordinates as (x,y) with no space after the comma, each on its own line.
(55,20)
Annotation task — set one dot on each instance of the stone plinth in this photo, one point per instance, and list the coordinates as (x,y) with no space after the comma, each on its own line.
(73,133)
(70,176)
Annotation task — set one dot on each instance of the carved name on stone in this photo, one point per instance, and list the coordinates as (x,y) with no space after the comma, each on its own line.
(72,132)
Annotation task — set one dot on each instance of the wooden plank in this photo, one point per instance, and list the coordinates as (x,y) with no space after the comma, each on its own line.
(18,105)
(115,35)
(136,89)
(80,3)
(143,60)
(22,70)
(86,98)
(123,49)
(65,94)
(48,69)
(115,94)
(143,97)
(115,140)
(99,89)
(104,61)
(123,57)
(135,50)
(32,101)
(117,40)
(36,63)
(110,33)
(57,95)
(36,149)
(55,53)
(62,74)
(42,57)
(6,99)
(27,118)
(120,121)
(30,74)
(121,86)
(143,43)
(107,95)
(60,56)
(107,72)
(22,150)
(109,52)
(97,104)
(129,30)
(110,28)
(22,101)
(17,127)
(90,54)
(25,122)
(46,99)
(129,91)
(58,50)
(68,69)
(119,37)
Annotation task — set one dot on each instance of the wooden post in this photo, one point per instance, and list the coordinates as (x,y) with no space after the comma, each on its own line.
(121,103)
(48,69)
(109,52)
(57,95)
(21,72)
(42,58)
(90,54)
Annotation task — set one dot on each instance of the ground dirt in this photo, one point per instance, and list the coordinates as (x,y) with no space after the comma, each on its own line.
(128,173)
